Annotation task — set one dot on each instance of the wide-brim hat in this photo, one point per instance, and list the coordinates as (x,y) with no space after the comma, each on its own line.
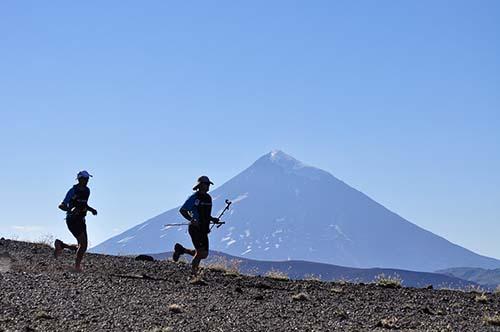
(202,179)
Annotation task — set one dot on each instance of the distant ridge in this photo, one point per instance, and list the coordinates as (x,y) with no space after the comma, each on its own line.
(486,278)
(328,272)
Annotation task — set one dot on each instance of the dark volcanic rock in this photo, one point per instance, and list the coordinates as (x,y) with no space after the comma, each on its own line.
(38,293)
(145,258)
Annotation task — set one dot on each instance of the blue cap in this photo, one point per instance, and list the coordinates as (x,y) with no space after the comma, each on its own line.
(83,174)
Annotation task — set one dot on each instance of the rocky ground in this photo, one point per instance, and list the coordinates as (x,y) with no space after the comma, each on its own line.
(39,293)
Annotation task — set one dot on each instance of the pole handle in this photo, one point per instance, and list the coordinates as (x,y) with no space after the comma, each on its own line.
(228,203)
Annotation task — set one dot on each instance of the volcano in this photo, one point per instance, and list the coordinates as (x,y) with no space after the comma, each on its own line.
(284,209)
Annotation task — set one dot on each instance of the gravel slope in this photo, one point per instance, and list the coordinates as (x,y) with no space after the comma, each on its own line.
(38,293)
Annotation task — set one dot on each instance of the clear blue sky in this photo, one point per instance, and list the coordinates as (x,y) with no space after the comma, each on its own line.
(400,99)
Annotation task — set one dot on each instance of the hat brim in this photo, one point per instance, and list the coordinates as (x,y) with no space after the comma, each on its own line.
(198,184)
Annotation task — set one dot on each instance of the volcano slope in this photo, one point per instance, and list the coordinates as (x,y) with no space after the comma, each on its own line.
(38,293)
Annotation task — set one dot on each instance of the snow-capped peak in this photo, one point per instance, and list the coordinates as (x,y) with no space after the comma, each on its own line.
(284,160)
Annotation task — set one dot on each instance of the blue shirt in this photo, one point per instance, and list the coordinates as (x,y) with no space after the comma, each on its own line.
(199,206)
(191,205)
(76,200)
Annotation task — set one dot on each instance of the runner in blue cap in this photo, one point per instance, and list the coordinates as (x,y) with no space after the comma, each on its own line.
(76,206)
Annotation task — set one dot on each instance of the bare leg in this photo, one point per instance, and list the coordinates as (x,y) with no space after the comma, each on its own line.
(82,248)
(59,246)
(73,247)
(179,250)
(195,263)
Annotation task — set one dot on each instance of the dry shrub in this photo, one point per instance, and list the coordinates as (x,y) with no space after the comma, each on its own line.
(301,297)
(223,264)
(46,239)
(388,323)
(342,281)
(162,329)
(40,314)
(492,320)
(277,275)
(337,290)
(175,308)
(388,281)
(481,298)
(198,281)
(474,289)
(312,277)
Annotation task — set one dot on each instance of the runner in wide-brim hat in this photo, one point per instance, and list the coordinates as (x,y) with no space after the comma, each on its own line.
(198,211)
(202,179)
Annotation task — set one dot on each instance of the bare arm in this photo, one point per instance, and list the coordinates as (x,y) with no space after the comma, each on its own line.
(185,213)
(92,210)
(63,207)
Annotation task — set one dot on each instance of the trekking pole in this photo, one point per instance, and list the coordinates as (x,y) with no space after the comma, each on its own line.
(179,224)
(228,203)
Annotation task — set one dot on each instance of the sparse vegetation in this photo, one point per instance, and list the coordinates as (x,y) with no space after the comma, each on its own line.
(342,314)
(312,277)
(162,329)
(481,298)
(388,281)
(388,323)
(254,271)
(492,320)
(497,290)
(46,239)
(222,264)
(198,281)
(175,308)
(14,237)
(341,282)
(474,289)
(301,297)
(337,290)
(42,315)
(277,275)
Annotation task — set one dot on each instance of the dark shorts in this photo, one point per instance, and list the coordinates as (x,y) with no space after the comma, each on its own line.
(76,225)
(199,238)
